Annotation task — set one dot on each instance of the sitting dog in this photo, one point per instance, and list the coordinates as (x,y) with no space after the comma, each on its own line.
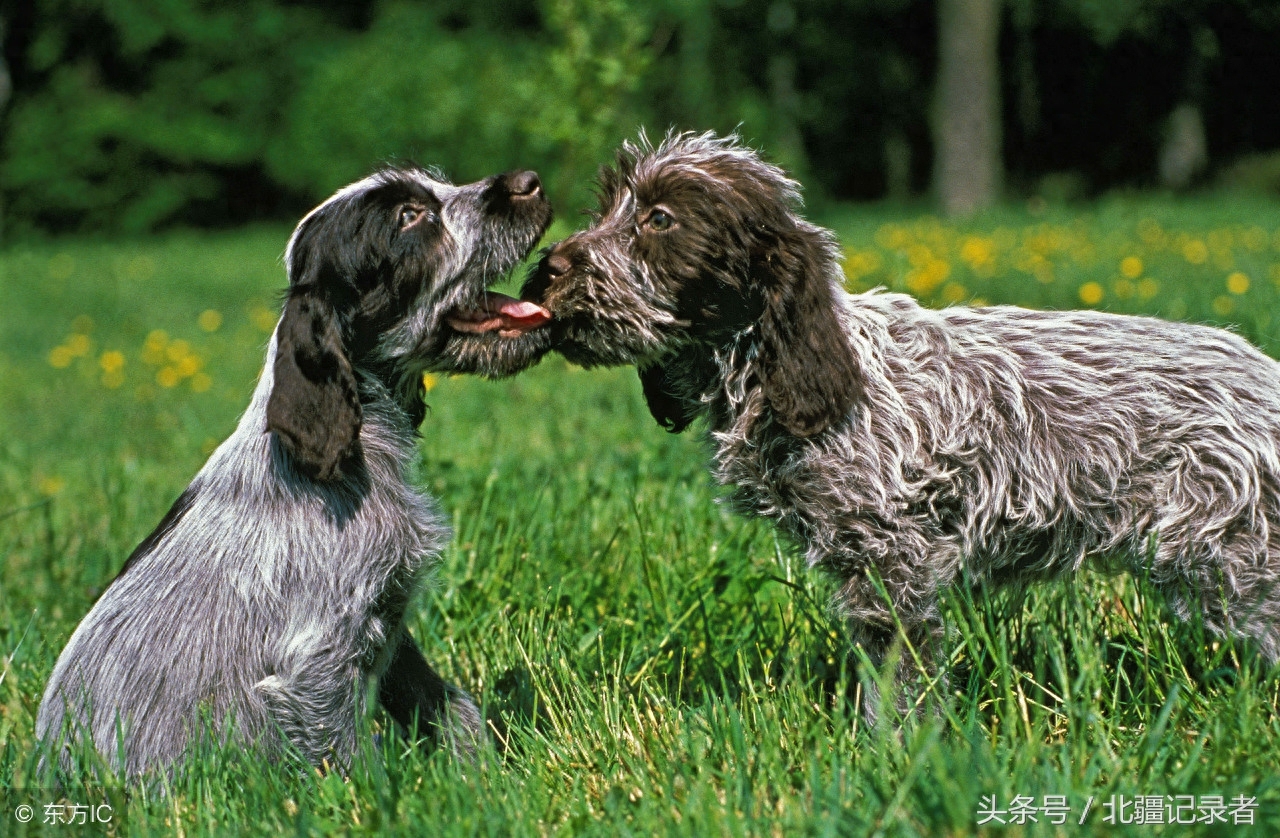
(274,591)
(908,449)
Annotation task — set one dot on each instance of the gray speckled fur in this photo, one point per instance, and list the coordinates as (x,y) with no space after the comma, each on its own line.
(1001,445)
(264,602)
(269,603)
(989,445)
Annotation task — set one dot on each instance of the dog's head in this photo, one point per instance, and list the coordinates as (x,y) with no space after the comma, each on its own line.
(382,277)
(697,243)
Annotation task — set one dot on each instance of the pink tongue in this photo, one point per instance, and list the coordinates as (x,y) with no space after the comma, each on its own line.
(505,315)
(522,313)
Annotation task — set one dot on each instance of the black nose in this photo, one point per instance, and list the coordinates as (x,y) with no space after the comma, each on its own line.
(522,184)
(557,263)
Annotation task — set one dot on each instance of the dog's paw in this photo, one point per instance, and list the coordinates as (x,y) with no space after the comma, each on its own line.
(462,727)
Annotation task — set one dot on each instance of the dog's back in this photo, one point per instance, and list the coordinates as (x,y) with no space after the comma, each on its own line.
(254,608)
(1006,444)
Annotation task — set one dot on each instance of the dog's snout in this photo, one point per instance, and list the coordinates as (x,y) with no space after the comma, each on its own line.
(524,184)
(558,262)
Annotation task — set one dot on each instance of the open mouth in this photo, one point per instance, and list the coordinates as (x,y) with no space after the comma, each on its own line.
(499,313)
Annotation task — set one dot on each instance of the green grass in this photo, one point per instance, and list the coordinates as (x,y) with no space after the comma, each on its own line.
(649,662)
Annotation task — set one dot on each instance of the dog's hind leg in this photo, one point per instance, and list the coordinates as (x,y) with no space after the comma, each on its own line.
(1225,576)
(414,694)
(905,665)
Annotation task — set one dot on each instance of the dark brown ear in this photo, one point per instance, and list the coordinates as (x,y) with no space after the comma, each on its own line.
(808,372)
(671,412)
(314,409)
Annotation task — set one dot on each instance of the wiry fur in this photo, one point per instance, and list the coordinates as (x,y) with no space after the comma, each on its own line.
(916,448)
(273,593)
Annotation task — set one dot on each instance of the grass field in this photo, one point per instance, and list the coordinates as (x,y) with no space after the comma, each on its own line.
(650,663)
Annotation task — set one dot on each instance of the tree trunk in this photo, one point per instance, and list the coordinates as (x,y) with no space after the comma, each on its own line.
(966,124)
(1184,153)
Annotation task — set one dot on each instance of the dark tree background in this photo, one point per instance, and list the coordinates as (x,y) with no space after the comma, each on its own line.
(128,115)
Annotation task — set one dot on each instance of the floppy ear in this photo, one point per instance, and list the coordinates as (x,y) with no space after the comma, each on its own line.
(314,408)
(672,412)
(808,371)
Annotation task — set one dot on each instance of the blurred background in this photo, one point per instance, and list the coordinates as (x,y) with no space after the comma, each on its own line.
(648,657)
(136,115)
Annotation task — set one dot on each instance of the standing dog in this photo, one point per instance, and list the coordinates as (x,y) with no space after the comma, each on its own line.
(275,589)
(908,449)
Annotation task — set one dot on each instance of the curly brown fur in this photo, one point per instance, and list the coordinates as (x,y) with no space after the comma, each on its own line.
(915,449)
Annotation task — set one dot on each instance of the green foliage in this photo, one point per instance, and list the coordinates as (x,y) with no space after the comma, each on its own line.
(598,62)
(133,116)
(1259,173)
(146,110)
(473,99)
(405,89)
(650,662)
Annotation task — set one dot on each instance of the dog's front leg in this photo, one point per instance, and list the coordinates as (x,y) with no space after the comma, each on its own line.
(904,666)
(418,698)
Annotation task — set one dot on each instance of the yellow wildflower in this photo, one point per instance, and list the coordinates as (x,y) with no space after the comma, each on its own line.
(860,263)
(177,350)
(209,320)
(893,237)
(189,365)
(1131,267)
(168,377)
(1148,288)
(201,382)
(60,357)
(1195,252)
(111,361)
(928,275)
(429,381)
(1091,293)
(153,348)
(78,345)
(1237,283)
(263,318)
(978,253)
(50,486)
(1223,305)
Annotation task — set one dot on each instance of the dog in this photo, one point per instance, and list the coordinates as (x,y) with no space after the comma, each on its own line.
(273,593)
(908,449)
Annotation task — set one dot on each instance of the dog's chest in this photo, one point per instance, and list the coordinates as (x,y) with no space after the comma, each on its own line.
(770,476)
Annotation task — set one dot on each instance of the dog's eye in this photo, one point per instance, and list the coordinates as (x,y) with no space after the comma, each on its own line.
(659,220)
(409,215)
